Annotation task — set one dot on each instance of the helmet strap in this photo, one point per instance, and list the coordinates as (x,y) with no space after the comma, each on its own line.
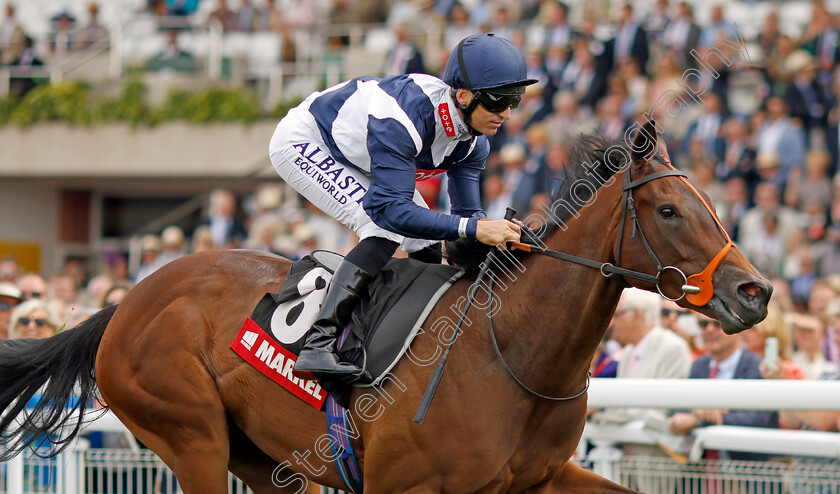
(466,110)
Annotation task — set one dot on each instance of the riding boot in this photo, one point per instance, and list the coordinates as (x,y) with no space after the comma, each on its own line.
(318,357)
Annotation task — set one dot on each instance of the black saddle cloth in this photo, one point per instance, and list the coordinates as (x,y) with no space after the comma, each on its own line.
(388,317)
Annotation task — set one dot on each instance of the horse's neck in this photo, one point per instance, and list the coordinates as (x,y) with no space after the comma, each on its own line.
(560,310)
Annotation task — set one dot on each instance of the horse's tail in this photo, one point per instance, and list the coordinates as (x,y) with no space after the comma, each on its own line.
(46,387)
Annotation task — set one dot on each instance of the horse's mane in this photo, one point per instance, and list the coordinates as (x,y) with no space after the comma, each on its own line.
(588,163)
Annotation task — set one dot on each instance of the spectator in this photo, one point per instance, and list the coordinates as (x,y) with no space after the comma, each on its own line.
(26,60)
(172,57)
(716,30)
(458,28)
(181,8)
(404,57)
(603,364)
(202,239)
(222,14)
(173,245)
(804,98)
(34,318)
(11,37)
(10,269)
(630,41)
(63,287)
(682,35)
(657,21)
(63,34)
(150,249)
(583,77)
(726,360)
(248,17)
(228,232)
(115,294)
(773,326)
(810,190)
(708,127)
(95,289)
(32,285)
(93,33)
(767,201)
(9,298)
(779,135)
(808,333)
(682,323)
(765,248)
(769,34)
(558,32)
(649,351)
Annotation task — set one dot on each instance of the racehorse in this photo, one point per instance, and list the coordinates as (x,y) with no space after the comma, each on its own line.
(164,366)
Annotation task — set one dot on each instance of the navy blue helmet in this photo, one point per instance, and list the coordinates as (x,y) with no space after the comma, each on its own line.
(486,61)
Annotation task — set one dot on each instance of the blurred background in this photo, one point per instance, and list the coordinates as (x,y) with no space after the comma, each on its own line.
(135,131)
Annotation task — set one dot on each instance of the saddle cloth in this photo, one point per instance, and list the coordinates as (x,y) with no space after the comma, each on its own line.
(387,319)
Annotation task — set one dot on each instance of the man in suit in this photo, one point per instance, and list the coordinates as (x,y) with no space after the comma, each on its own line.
(405,57)
(630,41)
(682,35)
(726,360)
(804,98)
(707,127)
(227,230)
(649,351)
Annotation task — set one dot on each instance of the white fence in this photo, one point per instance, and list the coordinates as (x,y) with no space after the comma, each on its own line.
(805,461)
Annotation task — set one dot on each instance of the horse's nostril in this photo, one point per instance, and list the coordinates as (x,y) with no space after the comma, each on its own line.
(751,289)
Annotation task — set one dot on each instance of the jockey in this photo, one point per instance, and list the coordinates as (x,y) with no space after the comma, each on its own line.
(356,150)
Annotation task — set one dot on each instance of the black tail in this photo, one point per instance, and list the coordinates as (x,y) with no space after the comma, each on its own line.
(59,371)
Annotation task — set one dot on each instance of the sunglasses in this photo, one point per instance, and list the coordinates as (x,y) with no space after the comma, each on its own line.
(668,312)
(497,103)
(31,294)
(703,324)
(25,321)
(4,306)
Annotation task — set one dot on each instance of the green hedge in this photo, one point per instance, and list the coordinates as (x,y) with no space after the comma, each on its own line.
(72,103)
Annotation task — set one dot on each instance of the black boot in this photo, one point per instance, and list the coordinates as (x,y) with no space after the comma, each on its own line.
(318,357)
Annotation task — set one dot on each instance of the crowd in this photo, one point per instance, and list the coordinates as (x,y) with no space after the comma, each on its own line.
(766,153)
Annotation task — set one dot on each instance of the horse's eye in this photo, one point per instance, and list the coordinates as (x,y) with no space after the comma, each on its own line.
(667,211)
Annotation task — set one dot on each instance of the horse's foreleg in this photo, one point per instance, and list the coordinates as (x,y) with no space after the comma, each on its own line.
(573,479)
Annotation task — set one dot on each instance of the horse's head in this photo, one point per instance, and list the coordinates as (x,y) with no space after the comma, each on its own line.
(671,228)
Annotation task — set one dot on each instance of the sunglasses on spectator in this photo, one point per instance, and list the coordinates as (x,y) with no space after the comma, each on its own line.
(4,306)
(497,103)
(26,321)
(31,294)
(668,312)
(703,324)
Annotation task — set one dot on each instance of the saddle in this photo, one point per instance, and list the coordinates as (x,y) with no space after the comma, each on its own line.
(382,327)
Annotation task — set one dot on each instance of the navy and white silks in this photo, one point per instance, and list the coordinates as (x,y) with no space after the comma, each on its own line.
(356,151)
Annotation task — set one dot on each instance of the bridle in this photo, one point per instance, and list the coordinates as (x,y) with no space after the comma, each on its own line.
(697,288)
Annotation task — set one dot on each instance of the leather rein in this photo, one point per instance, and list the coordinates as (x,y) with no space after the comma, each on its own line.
(695,288)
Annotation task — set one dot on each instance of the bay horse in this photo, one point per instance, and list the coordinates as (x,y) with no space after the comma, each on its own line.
(164,366)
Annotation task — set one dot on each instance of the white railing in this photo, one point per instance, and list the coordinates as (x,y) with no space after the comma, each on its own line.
(606,456)
(73,467)
(737,394)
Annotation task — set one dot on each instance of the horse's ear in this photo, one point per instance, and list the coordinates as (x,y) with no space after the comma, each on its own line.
(663,150)
(644,144)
